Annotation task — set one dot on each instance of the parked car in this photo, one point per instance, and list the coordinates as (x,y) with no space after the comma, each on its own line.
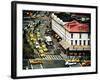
(81,18)
(86,63)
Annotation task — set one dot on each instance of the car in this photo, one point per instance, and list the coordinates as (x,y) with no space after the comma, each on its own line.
(43,44)
(31,35)
(37,45)
(44,47)
(48,31)
(38,34)
(81,18)
(39,39)
(31,61)
(70,63)
(43,55)
(48,40)
(33,39)
(86,63)
(40,50)
(75,60)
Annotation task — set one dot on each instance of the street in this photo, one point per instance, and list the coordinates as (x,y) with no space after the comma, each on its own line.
(49,55)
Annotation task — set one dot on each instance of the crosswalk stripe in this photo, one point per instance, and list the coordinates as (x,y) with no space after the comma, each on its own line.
(41,66)
(60,57)
(48,57)
(52,57)
(26,67)
(32,66)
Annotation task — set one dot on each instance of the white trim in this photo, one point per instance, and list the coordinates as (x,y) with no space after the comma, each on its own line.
(21,72)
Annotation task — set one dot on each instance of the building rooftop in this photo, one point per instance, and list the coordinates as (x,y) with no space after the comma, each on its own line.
(65,17)
(75,26)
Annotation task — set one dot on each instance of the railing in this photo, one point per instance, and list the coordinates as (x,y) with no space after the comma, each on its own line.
(79,47)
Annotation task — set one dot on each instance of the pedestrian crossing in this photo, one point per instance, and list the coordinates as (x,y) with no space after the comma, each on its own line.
(52,57)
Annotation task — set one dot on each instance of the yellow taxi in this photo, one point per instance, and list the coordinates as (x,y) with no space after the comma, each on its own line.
(40,50)
(43,55)
(31,35)
(43,44)
(76,60)
(86,63)
(67,60)
(34,39)
(44,47)
(38,34)
(31,61)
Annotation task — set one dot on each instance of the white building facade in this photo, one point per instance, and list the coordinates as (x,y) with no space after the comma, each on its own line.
(75,40)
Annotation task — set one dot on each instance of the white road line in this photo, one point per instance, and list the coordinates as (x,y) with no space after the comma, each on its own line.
(51,57)
(41,66)
(54,58)
(57,57)
(26,67)
(32,66)
(60,58)
(46,58)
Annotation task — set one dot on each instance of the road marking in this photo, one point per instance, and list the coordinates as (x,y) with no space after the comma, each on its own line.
(52,57)
(41,66)
(48,57)
(32,66)
(26,67)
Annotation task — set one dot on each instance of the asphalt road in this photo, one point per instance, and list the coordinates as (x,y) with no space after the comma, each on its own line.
(50,61)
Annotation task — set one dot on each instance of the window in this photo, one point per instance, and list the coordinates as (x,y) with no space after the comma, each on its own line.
(88,36)
(84,42)
(88,42)
(71,42)
(75,42)
(80,36)
(79,42)
(71,35)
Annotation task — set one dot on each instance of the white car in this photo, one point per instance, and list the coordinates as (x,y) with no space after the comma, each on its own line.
(69,63)
(48,40)
(37,45)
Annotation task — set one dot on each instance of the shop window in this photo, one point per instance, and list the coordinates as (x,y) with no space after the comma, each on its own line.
(75,42)
(88,42)
(71,42)
(79,42)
